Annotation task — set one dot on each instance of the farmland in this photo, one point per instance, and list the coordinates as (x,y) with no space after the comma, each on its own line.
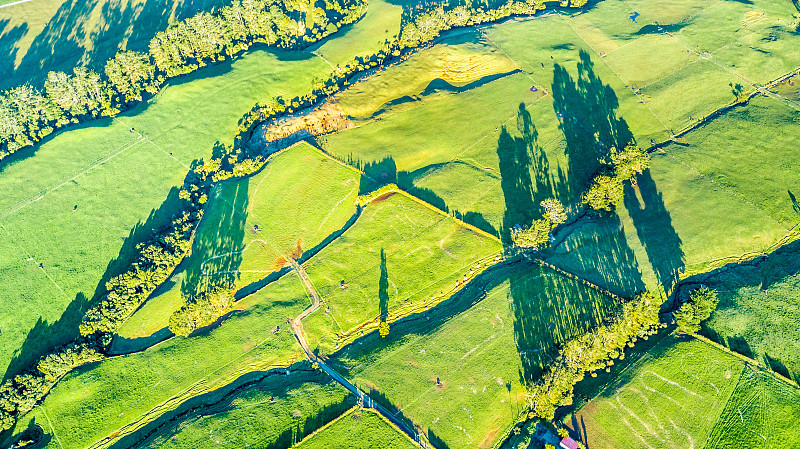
(90,166)
(364,275)
(359,429)
(251,229)
(390,256)
(481,354)
(671,397)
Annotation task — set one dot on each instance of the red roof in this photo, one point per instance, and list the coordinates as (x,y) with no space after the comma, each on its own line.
(568,443)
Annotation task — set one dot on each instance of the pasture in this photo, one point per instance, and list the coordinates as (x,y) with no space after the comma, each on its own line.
(117,172)
(761,412)
(359,429)
(109,399)
(399,255)
(252,226)
(482,345)
(277,411)
(758,311)
(43,35)
(670,397)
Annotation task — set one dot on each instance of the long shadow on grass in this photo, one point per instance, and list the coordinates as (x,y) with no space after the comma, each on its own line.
(88,33)
(763,273)
(586,110)
(384,172)
(217,251)
(278,384)
(654,228)
(46,336)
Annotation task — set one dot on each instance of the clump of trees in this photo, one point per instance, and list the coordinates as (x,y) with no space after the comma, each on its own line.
(592,351)
(697,309)
(27,114)
(537,235)
(606,189)
(200,311)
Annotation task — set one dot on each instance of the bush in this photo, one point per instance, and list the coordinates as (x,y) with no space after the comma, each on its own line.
(698,308)
(200,311)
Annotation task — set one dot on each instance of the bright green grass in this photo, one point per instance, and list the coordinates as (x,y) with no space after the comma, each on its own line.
(765,320)
(479,353)
(761,412)
(299,199)
(427,253)
(462,61)
(275,411)
(669,398)
(117,178)
(99,400)
(732,152)
(359,429)
(44,35)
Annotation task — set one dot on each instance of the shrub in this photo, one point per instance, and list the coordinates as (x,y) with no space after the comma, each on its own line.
(200,311)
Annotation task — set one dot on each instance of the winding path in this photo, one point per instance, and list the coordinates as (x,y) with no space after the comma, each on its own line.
(297,328)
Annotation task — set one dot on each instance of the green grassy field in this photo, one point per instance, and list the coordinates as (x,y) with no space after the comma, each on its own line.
(760,321)
(43,35)
(761,412)
(229,252)
(671,397)
(397,254)
(117,171)
(104,400)
(272,412)
(359,429)
(482,353)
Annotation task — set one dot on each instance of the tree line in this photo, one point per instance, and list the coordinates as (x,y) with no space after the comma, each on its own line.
(132,74)
(28,114)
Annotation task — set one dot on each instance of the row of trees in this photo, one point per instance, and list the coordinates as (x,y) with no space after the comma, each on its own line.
(537,235)
(606,189)
(200,311)
(592,351)
(27,114)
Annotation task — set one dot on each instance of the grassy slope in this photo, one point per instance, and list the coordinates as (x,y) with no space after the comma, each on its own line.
(255,418)
(43,35)
(117,178)
(426,254)
(226,240)
(671,397)
(480,355)
(97,401)
(363,429)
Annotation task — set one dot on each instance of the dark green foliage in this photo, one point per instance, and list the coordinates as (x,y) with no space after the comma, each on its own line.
(592,351)
(130,74)
(607,188)
(26,116)
(79,95)
(698,308)
(200,311)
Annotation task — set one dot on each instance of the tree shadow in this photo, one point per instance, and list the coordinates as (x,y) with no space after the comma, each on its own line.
(46,336)
(654,227)
(218,247)
(548,310)
(793,199)
(762,272)
(436,442)
(380,173)
(598,251)
(8,41)
(383,288)
(586,111)
(278,384)
(88,33)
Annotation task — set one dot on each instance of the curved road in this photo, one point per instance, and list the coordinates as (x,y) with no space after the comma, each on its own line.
(297,328)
